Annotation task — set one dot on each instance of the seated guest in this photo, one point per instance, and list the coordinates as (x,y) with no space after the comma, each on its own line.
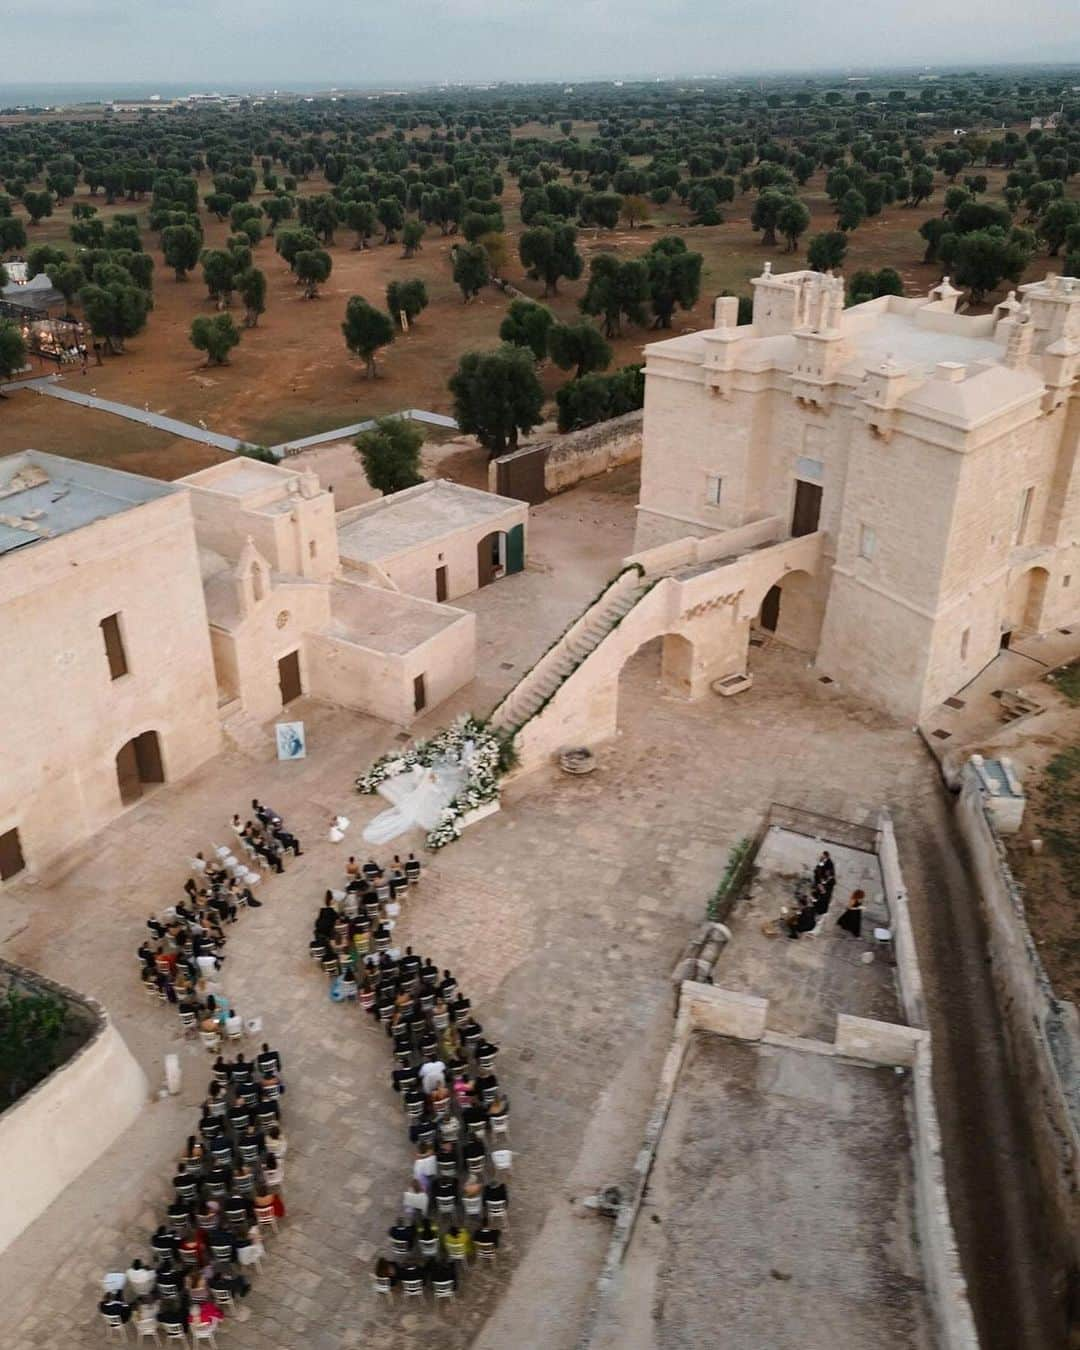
(485,1234)
(326,918)
(415,1199)
(410,1271)
(457,1242)
(494,1191)
(441,1272)
(402,1232)
(268,1061)
(271,1198)
(386,1270)
(234,1286)
(851,919)
(112,1305)
(287,841)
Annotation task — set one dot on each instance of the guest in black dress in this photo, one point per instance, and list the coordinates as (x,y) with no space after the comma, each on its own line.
(851,919)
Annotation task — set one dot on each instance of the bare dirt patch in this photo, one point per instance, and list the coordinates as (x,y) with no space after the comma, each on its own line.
(1051,878)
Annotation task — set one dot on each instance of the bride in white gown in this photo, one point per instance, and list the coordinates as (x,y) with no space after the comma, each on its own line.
(418,795)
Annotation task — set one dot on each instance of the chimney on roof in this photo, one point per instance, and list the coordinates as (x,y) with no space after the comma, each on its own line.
(1019,342)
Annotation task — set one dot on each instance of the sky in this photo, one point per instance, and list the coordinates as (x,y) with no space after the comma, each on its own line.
(363,43)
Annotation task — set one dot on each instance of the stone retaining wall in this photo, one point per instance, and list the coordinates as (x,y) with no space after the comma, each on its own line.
(1041,1030)
(54,1132)
(584,454)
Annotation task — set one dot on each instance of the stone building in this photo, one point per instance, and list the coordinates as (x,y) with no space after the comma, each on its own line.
(108,679)
(141,619)
(932,454)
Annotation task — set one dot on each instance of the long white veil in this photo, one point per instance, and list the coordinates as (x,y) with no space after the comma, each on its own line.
(418,796)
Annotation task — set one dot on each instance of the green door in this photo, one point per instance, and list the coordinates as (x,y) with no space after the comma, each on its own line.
(515,549)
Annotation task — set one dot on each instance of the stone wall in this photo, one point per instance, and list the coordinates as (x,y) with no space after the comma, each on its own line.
(723,1012)
(585,454)
(65,717)
(1041,1030)
(54,1132)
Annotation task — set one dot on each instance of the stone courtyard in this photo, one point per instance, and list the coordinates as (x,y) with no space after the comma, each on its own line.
(562,916)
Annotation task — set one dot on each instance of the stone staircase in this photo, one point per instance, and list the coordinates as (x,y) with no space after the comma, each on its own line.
(582,638)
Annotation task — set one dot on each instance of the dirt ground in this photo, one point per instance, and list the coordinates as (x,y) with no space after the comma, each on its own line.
(291,376)
(1051,877)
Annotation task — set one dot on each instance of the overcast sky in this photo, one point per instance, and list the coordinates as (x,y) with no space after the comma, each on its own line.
(366,42)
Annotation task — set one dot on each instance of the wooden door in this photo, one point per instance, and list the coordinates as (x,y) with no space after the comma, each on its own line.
(487,559)
(148,758)
(515,549)
(770,609)
(11,854)
(807,512)
(289,677)
(127,773)
(440,584)
(521,475)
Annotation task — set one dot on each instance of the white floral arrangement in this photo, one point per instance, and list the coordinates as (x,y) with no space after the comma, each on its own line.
(481,787)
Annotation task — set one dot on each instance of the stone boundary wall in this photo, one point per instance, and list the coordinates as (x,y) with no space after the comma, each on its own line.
(53,1133)
(912,998)
(586,453)
(1041,1030)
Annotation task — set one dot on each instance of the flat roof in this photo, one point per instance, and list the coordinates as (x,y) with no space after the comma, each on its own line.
(405,520)
(898,336)
(44,496)
(384,620)
(240,477)
(783,1200)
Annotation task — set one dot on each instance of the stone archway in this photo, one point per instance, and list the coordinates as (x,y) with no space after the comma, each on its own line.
(1024,601)
(138,766)
(791,611)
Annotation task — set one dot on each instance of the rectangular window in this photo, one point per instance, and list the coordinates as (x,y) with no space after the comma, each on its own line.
(114,646)
(419,694)
(1065,580)
(965,637)
(11,855)
(867,542)
(714,488)
(1024,514)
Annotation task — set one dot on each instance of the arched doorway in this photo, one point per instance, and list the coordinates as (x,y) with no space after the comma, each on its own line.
(1024,602)
(791,611)
(500,553)
(138,766)
(490,558)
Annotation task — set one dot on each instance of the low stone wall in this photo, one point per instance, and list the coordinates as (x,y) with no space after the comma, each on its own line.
(909,976)
(54,1132)
(584,454)
(1041,1030)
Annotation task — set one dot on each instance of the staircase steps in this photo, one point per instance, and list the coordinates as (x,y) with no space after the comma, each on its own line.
(534,690)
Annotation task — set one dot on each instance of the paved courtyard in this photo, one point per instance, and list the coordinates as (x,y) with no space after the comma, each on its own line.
(562,916)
